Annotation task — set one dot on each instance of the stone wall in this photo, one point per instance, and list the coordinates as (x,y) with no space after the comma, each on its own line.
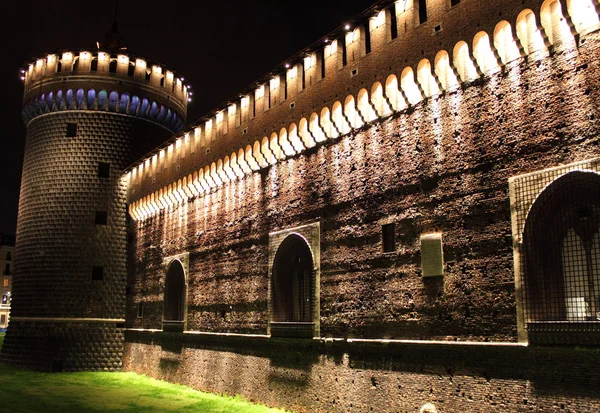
(442,165)
(317,377)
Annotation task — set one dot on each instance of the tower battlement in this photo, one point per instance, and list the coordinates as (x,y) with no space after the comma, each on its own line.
(105,81)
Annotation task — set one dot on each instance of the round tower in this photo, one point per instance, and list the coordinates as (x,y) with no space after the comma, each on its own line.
(89,114)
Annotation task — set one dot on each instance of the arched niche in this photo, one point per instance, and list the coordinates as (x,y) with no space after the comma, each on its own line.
(175,293)
(294,274)
(560,259)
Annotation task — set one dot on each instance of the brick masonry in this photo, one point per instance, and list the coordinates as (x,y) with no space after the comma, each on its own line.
(442,165)
(318,377)
(59,242)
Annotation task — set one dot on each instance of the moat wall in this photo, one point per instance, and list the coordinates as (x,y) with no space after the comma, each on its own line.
(314,376)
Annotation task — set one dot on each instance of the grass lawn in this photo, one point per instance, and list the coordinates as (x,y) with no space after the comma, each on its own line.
(27,391)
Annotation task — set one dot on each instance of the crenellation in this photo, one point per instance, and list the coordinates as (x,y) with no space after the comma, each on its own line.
(46,75)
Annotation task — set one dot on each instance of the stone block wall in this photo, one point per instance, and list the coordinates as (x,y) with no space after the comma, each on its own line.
(353,377)
(442,165)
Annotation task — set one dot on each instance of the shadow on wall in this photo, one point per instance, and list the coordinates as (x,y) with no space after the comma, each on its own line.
(568,372)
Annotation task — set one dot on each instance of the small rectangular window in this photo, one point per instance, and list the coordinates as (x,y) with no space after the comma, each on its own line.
(101,217)
(388,236)
(7,269)
(5,299)
(367,40)
(394,23)
(3,316)
(71,130)
(422,11)
(6,282)
(140,312)
(97,273)
(103,170)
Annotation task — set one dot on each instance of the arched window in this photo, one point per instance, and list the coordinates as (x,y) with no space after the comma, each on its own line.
(69,98)
(91,98)
(124,103)
(113,99)
(145,105)
(293,289)
(50,101)
(561,252)
(135,102)
(174,298)
(80,98)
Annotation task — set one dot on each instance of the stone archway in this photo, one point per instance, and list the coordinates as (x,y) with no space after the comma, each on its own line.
(561,251)
(174,297)
(293,289)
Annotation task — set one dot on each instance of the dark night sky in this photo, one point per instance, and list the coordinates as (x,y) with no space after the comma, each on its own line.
(220,47)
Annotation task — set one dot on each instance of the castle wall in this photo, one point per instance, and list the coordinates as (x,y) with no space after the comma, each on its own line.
(439,163)
(440,167)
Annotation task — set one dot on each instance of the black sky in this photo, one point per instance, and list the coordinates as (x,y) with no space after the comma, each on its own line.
(220,47)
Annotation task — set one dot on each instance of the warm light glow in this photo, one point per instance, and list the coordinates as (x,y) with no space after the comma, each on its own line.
(331,49)
(378,20)
(157,69)
(274,84)
(245,101)
(309,61)
(102,56)
(140,63)
(293,72)
(260,92)
(51,59)
(353,36)
(39,64)
(85,56)
(67,56)
(219,117)
(231,110)
(169,75)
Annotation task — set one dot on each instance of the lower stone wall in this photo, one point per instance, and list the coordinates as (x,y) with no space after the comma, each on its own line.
(56,347)
(362,376)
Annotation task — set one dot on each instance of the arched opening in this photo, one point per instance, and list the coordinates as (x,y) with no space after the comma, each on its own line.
(505,44)
(174,299)
(426,79)
(527,31)
(462,61)
(409,86)
(483,53)
(584,15)
(292,289)
(561,252)
(444,72)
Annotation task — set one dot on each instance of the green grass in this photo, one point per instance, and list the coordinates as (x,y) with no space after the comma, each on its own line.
(27,391)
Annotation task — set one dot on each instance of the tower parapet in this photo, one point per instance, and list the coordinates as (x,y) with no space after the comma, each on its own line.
(105,81)
(88,116)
